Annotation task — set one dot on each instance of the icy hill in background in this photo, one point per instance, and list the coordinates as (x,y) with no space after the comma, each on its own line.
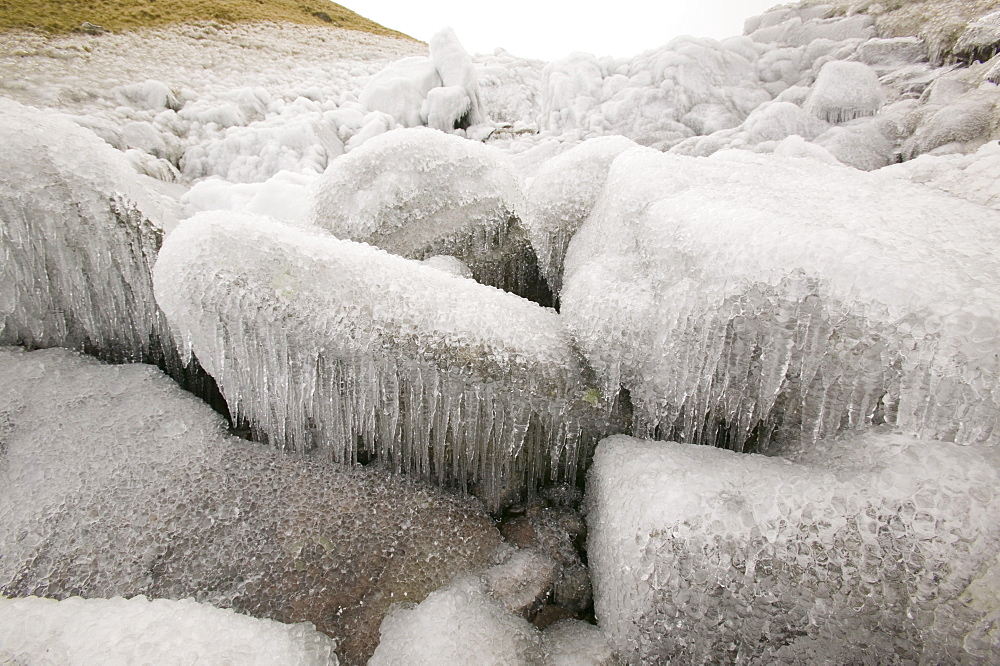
(781,242)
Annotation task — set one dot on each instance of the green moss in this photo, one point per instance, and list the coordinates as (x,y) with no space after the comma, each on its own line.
(60,16)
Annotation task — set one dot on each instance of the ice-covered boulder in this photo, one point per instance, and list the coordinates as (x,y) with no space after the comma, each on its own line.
(117,482)
(844,91)
(337,347)
(79,632)
(561,196)
(745,299)
(575,643)
(457,71)
(874,549)
(78,237)
(419,192)
(980,40)
(969,120)
(458,624)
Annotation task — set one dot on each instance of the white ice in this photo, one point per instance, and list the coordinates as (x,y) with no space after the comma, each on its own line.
(80,632)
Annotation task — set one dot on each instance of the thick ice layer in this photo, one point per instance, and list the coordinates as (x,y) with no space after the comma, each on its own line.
(458,624)
(876,549)
(78,236)
(745,299)
(117,482)
(81,632)
(337,347)
(420,192)
(844,91)
(560,198)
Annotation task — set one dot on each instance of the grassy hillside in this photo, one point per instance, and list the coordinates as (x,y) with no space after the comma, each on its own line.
(61,16)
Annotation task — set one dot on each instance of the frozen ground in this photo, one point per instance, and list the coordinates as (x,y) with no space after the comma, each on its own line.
(778,242)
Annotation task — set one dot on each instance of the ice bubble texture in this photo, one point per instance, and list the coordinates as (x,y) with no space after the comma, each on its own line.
(744,300)
(78,632)
(341,349)
(875,549)
(117,483)
(419,192)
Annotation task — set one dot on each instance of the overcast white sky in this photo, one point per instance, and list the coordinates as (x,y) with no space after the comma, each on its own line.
(550,30)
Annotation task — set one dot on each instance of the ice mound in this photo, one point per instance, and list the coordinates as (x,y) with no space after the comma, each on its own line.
(440,91)
(560,198)
(88,631)
(844,91)
(337,347)
(117,482)
(458,624)
(877,549)
(78,237)
(419,192)
(743,300)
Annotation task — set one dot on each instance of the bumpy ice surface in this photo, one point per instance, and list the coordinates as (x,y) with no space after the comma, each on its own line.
(79,632)
(116,482)
(744,300)
(420,192)
(876,549)
(329,345)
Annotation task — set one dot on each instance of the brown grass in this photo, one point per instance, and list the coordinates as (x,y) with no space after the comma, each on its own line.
(62,16)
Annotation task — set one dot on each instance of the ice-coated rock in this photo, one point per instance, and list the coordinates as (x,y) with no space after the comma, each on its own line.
(575,643)
(78,236)
(743,300)
(339,348)
(456,625)
(844,91)
(560,198)
(522,581)
(871,549)
(980,40)
(80,632)
(117,482)
(419,192)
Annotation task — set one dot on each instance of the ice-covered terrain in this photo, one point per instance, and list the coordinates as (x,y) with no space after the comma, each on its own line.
(784,242)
